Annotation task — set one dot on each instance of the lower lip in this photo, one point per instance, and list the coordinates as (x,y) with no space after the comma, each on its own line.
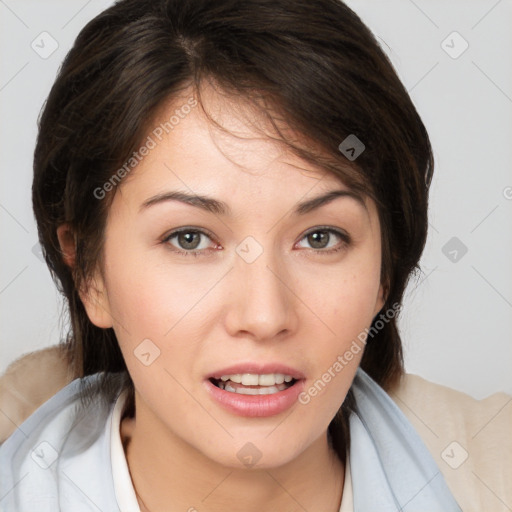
(256,405)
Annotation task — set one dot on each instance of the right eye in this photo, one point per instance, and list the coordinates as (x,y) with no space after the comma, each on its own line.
(187,241)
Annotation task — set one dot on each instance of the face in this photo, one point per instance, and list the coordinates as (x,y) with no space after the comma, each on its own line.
(253,278)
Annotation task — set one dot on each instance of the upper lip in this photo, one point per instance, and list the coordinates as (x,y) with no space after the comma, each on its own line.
(258,368)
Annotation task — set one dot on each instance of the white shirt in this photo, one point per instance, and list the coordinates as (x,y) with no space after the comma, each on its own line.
(123,486)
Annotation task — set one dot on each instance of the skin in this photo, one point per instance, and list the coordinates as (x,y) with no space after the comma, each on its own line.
(295,304)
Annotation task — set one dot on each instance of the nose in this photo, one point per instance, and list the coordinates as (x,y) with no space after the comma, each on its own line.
(262,304)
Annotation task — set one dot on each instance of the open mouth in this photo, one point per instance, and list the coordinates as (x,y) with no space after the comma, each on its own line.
(250,389)
(258,394)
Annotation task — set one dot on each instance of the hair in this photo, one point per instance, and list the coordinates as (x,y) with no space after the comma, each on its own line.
(312,64)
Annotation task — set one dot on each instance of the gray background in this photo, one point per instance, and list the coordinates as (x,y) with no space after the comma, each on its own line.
(457,319)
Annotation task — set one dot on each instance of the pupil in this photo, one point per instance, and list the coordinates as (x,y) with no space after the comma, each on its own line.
(316,236)
(186,240)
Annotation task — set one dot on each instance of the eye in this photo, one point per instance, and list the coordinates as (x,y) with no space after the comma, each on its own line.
(321,238)
(194,241)
(188,241)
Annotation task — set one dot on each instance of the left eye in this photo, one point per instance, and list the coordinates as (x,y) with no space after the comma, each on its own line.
(320,238)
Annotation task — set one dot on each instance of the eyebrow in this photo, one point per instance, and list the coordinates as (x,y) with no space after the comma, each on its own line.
(215,206)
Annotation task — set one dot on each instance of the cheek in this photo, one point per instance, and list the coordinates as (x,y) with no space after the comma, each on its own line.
(345,297)
(158,329)
(163,310)
(345,306)
(148,296)
(347,309)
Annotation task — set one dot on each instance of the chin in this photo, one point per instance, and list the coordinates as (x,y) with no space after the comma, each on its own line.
(255,452)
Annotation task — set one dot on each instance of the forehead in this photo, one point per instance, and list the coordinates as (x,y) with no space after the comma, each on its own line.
(242,158)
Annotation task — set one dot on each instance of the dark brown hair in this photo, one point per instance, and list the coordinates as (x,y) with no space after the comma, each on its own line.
(310,63)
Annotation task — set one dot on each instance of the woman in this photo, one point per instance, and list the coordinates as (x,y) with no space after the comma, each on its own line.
(232,197)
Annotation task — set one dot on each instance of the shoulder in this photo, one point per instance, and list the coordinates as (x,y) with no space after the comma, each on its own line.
(29,382)
(470,439)
(60,453)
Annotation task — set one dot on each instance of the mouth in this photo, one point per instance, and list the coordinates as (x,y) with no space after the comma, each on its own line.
(253,384)
(255,389)
(254,395)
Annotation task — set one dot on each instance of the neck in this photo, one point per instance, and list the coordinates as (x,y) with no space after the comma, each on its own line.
(168,474)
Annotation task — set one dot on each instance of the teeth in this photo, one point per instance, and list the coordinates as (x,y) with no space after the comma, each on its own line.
(253,379)
(235,378)
(250,379)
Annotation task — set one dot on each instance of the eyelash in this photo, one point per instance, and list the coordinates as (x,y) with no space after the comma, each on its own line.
(345,240)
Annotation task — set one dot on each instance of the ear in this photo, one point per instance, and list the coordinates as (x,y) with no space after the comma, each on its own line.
(93,293)
(67,244)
